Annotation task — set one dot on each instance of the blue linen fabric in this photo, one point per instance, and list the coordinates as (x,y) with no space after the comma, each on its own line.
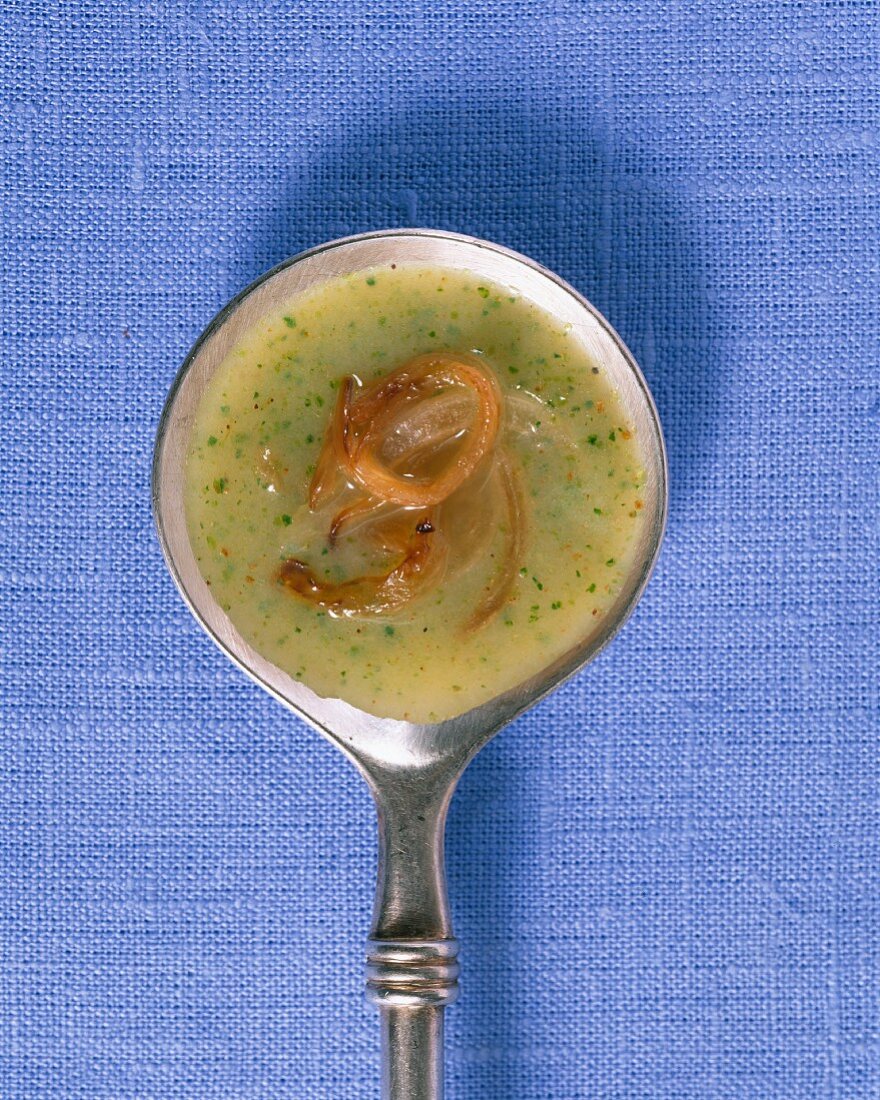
(665,877)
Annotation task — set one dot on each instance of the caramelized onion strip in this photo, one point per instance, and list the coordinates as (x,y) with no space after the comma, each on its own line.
(425,428)
(423,555)
(378,479)
(384,396)
(361,509)
(499,590)
(404,444)
(334,452)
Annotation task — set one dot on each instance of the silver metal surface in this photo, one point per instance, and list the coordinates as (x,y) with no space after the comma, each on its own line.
(412,1053)
(412,769)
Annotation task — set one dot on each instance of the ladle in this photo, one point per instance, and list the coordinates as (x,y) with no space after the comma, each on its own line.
(412,770)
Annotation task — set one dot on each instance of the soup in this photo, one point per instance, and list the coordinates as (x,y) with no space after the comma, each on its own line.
(412,489)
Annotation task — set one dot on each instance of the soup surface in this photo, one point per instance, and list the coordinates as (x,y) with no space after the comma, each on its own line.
(482,622)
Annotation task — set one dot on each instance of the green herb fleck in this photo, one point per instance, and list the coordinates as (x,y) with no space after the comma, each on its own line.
(591,439)
(389,630)
(371,281)
(483,291)
(220,484)
(598,511)
(290,322)
(555,606)
(212,440)
(611,435)
(610,561)
(286,520)
(592,588)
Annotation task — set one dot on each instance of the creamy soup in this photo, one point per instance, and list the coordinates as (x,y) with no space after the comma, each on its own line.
(412,489)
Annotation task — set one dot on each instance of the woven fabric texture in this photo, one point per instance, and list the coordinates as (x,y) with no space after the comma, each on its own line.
(665,877)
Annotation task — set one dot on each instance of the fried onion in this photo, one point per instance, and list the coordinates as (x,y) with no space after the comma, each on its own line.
(401,454)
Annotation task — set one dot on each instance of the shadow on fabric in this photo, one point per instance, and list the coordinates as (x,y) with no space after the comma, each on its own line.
(547,186)
(551,187)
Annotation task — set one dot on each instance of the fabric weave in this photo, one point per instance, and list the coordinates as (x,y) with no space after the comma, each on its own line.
(665,877)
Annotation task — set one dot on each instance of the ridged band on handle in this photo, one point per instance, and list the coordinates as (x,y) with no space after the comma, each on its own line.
(412,973)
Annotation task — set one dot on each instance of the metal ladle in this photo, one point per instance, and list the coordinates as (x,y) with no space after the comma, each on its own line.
(411,769)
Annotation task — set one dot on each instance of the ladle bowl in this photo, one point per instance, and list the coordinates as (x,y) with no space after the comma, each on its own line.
(412,769)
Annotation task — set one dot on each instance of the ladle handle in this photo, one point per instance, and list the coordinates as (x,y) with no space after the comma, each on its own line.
(412,964)
(411,982)
(412,1053)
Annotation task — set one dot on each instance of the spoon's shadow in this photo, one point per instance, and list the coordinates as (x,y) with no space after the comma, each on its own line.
(492,853)
(551,187)
(543,183)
